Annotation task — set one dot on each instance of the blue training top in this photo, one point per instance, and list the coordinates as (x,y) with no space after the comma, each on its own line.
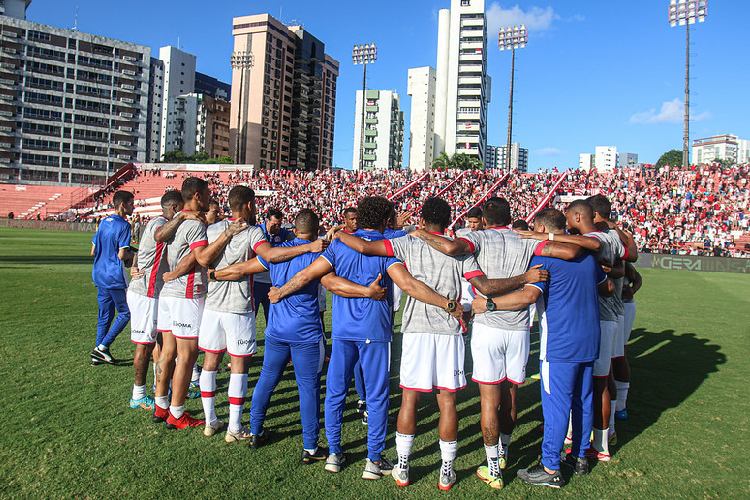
(295,318)
(361,319)
(112,235)
(569,311)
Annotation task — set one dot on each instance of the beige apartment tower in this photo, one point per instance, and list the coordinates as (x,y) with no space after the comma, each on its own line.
(283,96)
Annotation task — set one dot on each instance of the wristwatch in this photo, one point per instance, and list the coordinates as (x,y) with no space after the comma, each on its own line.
(212,276)
(451,306)
(491,306)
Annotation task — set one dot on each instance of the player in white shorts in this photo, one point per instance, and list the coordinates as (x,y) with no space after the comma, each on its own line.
(143,294)
(432,353)
(500,339)
(228,320)
(181,305)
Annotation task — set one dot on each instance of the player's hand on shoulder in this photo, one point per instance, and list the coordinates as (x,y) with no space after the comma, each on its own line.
(273,295)
(536,274)
(236,227)
(193,215)
(533,235)
(403,219)
(606,266)
(479,304)
(378,292)
(332,233)
(136,273)
(319,245)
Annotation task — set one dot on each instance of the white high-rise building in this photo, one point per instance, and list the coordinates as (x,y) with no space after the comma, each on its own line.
(586,161)
(179,79)
(421,88)
(462,86)
(384,131)
(721,147)
(628,160)
(606,158)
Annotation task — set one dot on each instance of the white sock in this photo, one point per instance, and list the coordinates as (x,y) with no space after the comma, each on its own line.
(139,391)
(162,402)
(601,440)
(237,393)
(177,411)
(569,435)
(448,454)
(622,394)
(492,463)
(404,442)
(208,395)
(611,420)
(505,442)
(196,372)
(311,452)
(102,347)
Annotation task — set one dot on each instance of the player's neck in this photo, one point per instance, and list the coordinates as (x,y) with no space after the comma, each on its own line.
(434,228)
(121,212)
(307,237)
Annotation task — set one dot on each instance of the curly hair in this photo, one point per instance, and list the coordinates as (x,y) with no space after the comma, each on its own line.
(436,211)
(372,211)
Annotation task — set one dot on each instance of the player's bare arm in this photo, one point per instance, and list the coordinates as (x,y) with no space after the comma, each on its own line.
(617,270)
(499,286)
(586,242)
(330,235)
(275,255)
(345,288)
(636,281)
(93,248)
(515,301)
(442,244)
(238,271)
(627,240)
(418,290)
(126,255)
(168,229)
(319,268)
(363,246)
(403,219)
(206,254)
(606,288)
(186,265)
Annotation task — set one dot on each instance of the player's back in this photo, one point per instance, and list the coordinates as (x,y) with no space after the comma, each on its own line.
(295,318)
(191,234)
(152,260)
(611,249)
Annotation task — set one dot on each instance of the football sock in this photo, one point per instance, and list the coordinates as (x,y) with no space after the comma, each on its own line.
(208,395)
(505,442)
(492,463)
(102,347)
(237,393)
(569,435)
(611,420)
(404,443)
(162,402)
(177,411)
(622,394)
(448,454)
(311,451)
(196,372)
(139,392)
(601,440)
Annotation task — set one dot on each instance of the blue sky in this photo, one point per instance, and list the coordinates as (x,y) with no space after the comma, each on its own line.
(594,73)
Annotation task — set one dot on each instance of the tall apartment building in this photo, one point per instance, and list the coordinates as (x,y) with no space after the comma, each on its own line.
(283,96)
(198,123)
(462,87)
(497,158)
(421,88)
(179,79)
(384,131)
(606,158)
(721,147)
(586,161)
(154,111)
(73,106)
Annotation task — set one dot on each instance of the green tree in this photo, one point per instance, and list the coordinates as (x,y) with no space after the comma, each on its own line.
(200,157)
(443,161)
(175,157)
(672,158)
(458,160)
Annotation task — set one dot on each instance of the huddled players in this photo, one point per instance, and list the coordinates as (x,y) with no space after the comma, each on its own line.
(195,286)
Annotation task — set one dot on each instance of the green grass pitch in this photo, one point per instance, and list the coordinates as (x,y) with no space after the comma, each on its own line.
(67,430)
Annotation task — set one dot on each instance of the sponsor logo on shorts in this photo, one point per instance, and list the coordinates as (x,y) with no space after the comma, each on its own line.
(242,342)
(181,325)
(136,331)
(456,373)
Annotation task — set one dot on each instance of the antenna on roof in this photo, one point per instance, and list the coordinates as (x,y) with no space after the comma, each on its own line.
(75,25)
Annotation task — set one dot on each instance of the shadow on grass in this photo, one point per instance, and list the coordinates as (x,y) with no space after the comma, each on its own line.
(48,259)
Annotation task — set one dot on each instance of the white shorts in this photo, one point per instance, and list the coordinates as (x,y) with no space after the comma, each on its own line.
(467,295)
(430,361)
(231,332)
(604,361)
(321,297)
(143,314)
(499,354)
(180,316)
(396,298)
(618,346)
(629,319)
(532,313)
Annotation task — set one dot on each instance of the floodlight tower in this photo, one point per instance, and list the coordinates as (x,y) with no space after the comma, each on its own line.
(241,60)
(511,37)
(363,54)
(685,13)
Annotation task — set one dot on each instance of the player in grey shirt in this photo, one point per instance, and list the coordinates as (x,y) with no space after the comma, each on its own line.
(500,339)
(432,355)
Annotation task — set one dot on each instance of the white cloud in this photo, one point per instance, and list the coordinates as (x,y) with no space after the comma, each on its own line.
(671,112)
(549,152)
(535,18)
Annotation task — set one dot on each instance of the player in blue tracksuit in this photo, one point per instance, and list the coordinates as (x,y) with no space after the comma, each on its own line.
(111,251)
(361,331)
(569,343)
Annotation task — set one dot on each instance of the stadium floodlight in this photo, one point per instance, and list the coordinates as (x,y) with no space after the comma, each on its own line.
(685,13)
(511,37)
(241,60)
(363,54)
